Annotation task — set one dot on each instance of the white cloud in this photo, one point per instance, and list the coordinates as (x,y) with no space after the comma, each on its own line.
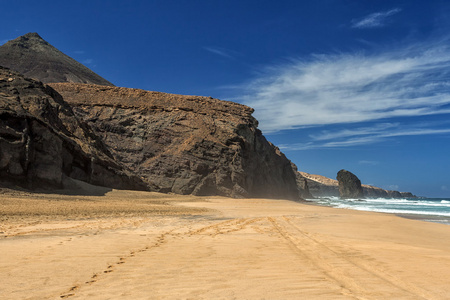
(378,19)
(351,88)
(444,188)
(368,162)
(376,129)
(364,136)
(87,61)
(221,52)
(393,187)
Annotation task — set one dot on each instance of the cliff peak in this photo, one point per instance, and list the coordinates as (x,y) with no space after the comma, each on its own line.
(34,57)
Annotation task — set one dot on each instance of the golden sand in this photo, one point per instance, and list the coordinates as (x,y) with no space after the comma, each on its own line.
(139,245)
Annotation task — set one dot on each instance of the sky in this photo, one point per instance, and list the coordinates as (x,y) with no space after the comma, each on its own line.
(336,84)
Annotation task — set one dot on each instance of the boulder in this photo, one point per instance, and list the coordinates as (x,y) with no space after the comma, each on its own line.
(349,185)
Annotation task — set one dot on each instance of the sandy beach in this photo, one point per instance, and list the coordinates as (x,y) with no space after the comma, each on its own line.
(141,245)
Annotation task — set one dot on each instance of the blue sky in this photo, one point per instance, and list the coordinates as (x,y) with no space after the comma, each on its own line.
(357,85)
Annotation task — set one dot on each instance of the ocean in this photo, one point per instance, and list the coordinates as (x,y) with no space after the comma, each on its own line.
(427,209)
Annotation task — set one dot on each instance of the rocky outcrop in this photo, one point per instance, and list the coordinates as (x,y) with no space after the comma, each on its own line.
(302,184)
(42,142)
(33,57)
(184,144)
(321,186)
(349,185)
(407,195)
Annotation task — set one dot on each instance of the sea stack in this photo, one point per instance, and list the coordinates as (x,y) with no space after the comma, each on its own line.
(349,185)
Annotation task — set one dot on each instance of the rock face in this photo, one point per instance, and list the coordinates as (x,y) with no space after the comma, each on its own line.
(349,185)
(302,184)
(321,186)
(184,144)
(407,195)
(42,142)
(34,57)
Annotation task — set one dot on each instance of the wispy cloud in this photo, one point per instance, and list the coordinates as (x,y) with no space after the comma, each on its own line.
(87,61)
(353,87)
(365,135)
(377,19)
(221,52)
(393,187)
(368,162)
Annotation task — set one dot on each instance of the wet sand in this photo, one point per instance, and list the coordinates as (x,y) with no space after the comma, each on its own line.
(139,245)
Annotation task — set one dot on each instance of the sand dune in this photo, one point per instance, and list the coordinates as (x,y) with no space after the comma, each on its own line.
(137,245)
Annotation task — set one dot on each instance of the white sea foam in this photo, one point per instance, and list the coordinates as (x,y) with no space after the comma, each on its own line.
(423,206)
(396,211)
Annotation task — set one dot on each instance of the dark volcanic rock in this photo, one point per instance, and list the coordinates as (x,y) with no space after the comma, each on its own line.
(41,140)
(349,185)
(184,144)
(34,57)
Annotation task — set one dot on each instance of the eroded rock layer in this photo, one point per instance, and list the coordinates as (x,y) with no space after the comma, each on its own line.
(41,140)
(184,144)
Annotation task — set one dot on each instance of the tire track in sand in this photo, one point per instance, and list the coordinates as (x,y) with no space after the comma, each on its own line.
(356,281)
(371,267)
(224,227)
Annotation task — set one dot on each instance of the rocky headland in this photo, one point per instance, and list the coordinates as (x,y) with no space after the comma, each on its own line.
(141,139)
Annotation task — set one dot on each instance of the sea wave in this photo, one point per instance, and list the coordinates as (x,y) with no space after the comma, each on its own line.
(421,206)
(396,211)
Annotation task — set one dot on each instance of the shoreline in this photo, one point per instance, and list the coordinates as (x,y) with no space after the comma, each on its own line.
(141,245)
(426,218)
(413,215)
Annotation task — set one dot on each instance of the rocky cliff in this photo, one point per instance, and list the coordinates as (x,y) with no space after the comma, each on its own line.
(42,142)
(33,57)
(184,144)
(172,143)
(321,186)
